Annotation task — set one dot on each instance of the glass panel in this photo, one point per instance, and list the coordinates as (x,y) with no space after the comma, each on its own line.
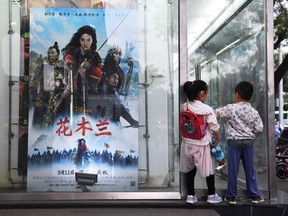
(159,97)
(233,53)
(212,46)
(152,98)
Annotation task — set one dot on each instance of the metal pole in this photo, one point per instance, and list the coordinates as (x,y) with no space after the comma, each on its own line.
(146,85)
(183,66)
(171,111)
(270,120)
(146,135)
(11,83)
(280,87)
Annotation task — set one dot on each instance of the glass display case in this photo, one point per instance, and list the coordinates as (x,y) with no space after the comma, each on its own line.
(94,87)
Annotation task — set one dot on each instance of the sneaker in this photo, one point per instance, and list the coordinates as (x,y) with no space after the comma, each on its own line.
(191,199)
(257,200)
(230,200)
(221,165)
(214,198)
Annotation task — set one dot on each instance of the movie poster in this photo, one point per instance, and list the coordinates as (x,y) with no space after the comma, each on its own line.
(83,98)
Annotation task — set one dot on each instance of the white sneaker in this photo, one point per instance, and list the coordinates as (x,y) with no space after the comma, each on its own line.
(214,198)
(257,199)
(221,165)
(191,199)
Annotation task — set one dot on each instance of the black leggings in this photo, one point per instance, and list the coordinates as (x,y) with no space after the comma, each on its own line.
(190,177)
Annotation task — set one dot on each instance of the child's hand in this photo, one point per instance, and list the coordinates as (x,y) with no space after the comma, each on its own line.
(217,139)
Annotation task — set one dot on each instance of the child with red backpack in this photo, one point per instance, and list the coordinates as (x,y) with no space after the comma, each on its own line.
(196,131)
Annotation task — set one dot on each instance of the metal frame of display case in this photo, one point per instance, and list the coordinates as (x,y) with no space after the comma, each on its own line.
(11,196)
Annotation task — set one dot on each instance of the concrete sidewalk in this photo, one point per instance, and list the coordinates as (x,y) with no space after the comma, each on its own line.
(148,209)
(151,208)
(109,212)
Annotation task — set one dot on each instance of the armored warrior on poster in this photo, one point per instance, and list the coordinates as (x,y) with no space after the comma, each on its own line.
(47,88)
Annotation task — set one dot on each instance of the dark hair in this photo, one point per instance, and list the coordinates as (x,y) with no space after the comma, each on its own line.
(75,42)
(109,61)
(115,49)
(56,47)
(80,141)
(110,66)
(109,75)
(245,90)
(192,89)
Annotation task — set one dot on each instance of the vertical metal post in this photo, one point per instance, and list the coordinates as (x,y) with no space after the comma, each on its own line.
(182,45)
(198,72)
(183,62)
(281,103)
(146,85)
(171,110)
(10,83)
(270,121)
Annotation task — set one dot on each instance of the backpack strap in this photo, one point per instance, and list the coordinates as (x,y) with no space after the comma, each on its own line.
(187,105)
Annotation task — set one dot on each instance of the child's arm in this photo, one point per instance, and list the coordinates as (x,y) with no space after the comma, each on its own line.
(214,128)
(221,112)
(258,124)
(217,136)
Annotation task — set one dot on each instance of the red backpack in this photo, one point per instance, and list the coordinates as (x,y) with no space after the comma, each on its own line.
(192,126)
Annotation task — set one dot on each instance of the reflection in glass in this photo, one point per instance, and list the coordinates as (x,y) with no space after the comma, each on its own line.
(232,54)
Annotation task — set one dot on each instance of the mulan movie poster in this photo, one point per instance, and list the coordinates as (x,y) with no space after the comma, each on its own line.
(83,98)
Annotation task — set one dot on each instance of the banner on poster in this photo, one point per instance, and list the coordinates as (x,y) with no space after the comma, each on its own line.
(83,98)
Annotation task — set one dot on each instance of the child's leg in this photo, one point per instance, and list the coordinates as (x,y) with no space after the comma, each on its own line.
(210,180)
(233,168)
(190,176)
(248,164)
